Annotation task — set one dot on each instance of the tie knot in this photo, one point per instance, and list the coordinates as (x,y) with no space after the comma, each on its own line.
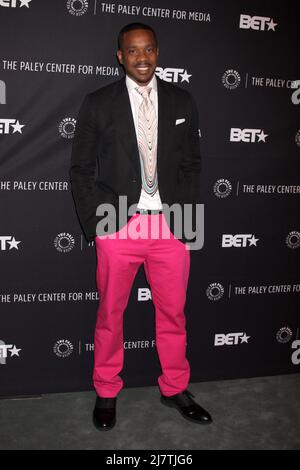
(144,91)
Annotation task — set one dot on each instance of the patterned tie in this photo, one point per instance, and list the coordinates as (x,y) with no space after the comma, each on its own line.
(147,141)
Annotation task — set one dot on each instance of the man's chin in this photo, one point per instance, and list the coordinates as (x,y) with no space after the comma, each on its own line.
(142,79)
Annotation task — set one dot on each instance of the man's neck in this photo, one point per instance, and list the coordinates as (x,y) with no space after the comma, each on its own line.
(134,84)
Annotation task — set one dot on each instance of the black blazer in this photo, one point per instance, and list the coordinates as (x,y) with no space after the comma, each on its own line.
(105,160)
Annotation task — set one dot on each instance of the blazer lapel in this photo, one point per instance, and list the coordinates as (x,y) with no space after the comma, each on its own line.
(165,112)
(123,118)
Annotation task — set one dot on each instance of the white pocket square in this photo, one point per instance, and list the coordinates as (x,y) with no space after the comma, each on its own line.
(179,121)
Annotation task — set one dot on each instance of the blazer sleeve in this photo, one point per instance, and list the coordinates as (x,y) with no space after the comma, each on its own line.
(190,164)
(83,166)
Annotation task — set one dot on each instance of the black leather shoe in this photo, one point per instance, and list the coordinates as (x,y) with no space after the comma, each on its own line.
(187,407)
(104,415)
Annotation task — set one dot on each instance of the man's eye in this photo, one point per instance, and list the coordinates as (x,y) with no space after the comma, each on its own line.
(131,51)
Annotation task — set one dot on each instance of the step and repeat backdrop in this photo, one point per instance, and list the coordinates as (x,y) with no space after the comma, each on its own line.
(240,61)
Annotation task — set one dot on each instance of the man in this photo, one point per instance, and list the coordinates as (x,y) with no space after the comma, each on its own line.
(138,138)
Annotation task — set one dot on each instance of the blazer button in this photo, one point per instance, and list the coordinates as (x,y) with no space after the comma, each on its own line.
(133,180)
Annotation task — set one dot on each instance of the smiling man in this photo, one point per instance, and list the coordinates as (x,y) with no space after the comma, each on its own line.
(138,139)
(138,53)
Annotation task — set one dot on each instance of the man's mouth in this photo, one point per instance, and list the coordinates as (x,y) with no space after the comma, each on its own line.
(143,68)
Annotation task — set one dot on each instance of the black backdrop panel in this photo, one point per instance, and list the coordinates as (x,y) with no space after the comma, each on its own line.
(239,59)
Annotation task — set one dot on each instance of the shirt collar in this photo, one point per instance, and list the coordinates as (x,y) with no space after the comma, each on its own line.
(131,84)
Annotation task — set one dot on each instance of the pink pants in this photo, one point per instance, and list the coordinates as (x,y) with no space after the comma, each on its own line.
(167,263)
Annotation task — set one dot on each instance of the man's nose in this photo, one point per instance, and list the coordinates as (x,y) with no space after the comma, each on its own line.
(141,55)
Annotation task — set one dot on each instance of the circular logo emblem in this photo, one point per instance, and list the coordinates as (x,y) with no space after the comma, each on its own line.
(293,239)
(284,334)
(77,7)
(215,291)
(297,138)
(67,128)
(222,188)
(64,242)
(63,348)
(231,79)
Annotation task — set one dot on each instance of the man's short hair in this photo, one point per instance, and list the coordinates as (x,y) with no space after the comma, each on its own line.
(133,27)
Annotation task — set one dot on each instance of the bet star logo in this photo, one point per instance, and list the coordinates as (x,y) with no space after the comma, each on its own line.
(7,124)
(8,240)
(7,348)
(244,338)
(231,339)
(239,240)
(15,3)
(24,3)
(185,77)
(247,135)
(258,23)
(172,74)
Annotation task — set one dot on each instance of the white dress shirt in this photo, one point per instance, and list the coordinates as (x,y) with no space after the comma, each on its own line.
(146,201)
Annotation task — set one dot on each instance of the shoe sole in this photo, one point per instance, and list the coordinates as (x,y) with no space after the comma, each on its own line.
(172,405)
(105,428)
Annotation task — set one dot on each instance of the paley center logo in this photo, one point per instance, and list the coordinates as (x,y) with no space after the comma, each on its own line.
(5,349)
(63,348)
(257,23)
(231,79)
(215,291)
(284,335)
(230,339)
(64,242)
(77,7)
(67,128)
(15,3)
(222,188)
(6,125)
(172,74)
(293,239)
(238,241)
(8,242)
(247,135)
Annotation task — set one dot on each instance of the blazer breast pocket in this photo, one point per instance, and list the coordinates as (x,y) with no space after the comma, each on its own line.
(179,129)
(179,126)
(179,121)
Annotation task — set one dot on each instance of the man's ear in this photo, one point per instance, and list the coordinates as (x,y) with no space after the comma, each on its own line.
(120,56)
